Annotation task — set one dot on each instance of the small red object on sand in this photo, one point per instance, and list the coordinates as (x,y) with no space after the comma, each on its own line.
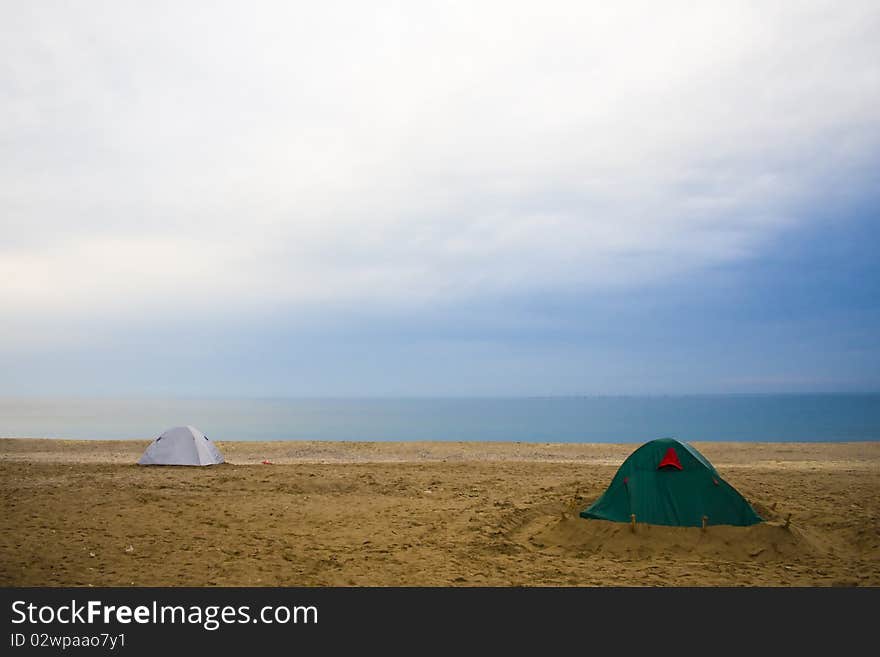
(267,463)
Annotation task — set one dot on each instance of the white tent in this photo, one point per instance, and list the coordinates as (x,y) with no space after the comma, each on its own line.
(182,446)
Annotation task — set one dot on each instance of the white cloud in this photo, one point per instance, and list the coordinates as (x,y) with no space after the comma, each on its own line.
(238,155)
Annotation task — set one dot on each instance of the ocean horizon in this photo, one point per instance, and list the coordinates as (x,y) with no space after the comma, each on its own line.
(756,417)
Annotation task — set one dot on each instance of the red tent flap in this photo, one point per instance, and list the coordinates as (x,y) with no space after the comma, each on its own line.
(670,458)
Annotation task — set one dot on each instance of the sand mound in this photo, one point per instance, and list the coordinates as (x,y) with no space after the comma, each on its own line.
(563,531)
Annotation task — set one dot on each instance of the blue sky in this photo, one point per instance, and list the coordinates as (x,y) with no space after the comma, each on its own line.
(439,199)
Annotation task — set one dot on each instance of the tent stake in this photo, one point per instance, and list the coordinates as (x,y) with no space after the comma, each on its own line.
(705,522)
(632,521)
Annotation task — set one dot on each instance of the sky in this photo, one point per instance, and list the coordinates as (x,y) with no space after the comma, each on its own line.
(439,198)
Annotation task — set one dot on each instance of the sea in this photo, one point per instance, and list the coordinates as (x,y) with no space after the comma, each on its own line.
(775,418)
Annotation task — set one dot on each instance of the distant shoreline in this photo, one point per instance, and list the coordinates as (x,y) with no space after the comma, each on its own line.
(732,453)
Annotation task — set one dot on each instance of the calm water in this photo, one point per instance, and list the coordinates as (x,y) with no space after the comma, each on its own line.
(564,419)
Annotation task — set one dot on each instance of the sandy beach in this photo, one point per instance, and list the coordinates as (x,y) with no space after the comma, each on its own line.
(81,513)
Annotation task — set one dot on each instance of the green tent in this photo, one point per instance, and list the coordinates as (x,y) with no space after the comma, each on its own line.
(668,482)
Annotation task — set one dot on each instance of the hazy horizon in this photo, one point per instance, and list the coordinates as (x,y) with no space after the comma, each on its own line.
(436,199)
(245,398)
(758,417)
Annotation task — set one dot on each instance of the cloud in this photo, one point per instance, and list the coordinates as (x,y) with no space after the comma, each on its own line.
(228,158)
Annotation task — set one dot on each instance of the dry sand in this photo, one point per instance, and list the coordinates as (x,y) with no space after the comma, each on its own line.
(79,513)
